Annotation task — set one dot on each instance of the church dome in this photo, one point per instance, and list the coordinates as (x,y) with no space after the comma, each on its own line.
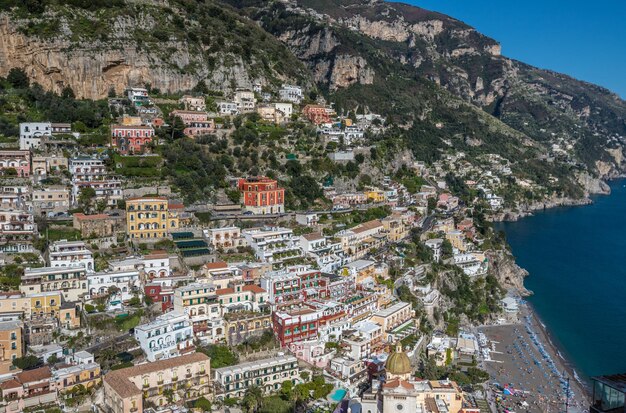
(398,363)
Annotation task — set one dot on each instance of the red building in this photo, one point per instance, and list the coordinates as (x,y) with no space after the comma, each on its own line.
(261,195)
(160,294)
(317,114)
(314,285)
(131,138)
(196,123)
(291,326)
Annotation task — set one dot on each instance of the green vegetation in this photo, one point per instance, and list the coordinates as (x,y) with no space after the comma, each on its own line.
(221,355)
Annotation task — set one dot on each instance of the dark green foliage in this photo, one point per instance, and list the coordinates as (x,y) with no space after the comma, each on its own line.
(27,362)
(221,355)
(192,169)
(18,78)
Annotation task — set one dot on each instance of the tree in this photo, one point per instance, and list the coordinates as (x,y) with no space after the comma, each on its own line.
(85,198)
(27,362)
(17,78)
(203,404)
(432,204)
(252,399)
(177,127)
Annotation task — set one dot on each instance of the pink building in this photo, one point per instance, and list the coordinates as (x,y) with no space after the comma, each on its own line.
(312,352)
(18,160)
(131,138)
(196,123)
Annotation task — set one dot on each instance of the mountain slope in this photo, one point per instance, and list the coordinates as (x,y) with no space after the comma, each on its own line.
(445,87)
(356,42)
(93,46)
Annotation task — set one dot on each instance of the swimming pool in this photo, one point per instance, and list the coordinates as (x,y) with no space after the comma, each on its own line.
(338,395)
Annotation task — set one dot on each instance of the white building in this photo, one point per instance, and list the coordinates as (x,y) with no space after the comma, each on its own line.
(285,108)
(224,237)
(86,168)
(227,108)
(157,265)
(245,101)
(267,374)
(126,282)
(32,132)
(109,190)
(291,93)
(138,96)
(273,244)
(71,254)
(352,134)
(328,255)
(166,336)
(435,245)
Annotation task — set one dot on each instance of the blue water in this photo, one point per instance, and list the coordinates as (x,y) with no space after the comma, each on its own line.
(575,256)
(338,395)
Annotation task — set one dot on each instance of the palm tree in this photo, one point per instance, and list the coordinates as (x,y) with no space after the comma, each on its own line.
(252,399)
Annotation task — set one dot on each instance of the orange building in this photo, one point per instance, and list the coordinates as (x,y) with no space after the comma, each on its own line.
(261,195)
(317,114)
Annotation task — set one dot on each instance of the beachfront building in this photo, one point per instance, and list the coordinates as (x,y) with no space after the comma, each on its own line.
(609,394)
(188,377)
(267,374)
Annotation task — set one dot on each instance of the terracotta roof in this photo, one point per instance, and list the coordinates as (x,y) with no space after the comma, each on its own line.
(119,379)
(395,383)
(313,236)
(10,384)
(215,265)
(366,226)
(34,375)
(224,291)
(253,288)
(157,254)
(83,217)
(175,205)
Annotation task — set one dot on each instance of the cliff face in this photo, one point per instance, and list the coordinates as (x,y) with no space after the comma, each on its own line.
(145,43)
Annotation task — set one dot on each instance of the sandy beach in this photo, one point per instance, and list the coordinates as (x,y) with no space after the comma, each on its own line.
(529,365)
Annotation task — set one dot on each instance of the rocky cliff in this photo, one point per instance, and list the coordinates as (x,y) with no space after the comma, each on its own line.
(151,42)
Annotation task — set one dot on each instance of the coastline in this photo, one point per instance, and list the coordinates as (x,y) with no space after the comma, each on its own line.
(581,387)
(528,362)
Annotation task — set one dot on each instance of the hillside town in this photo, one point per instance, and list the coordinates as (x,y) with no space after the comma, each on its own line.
(120,295)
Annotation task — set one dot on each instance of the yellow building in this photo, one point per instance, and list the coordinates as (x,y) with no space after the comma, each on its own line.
(40,306)
(11,344)
(149,218)
(376,195)
(457,239)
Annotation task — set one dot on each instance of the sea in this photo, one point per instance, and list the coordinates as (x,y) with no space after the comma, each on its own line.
(576,257)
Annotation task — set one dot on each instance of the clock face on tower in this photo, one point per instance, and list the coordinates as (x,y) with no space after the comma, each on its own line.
(399,407)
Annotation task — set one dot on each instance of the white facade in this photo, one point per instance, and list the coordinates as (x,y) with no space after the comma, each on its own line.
(166,336)
(285,108)
(291,93)
(71,254)
(32,132)
(435,245)
(127,282)
(273,244)
(109,190)
(245,100)
(227,108)
(85,168)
